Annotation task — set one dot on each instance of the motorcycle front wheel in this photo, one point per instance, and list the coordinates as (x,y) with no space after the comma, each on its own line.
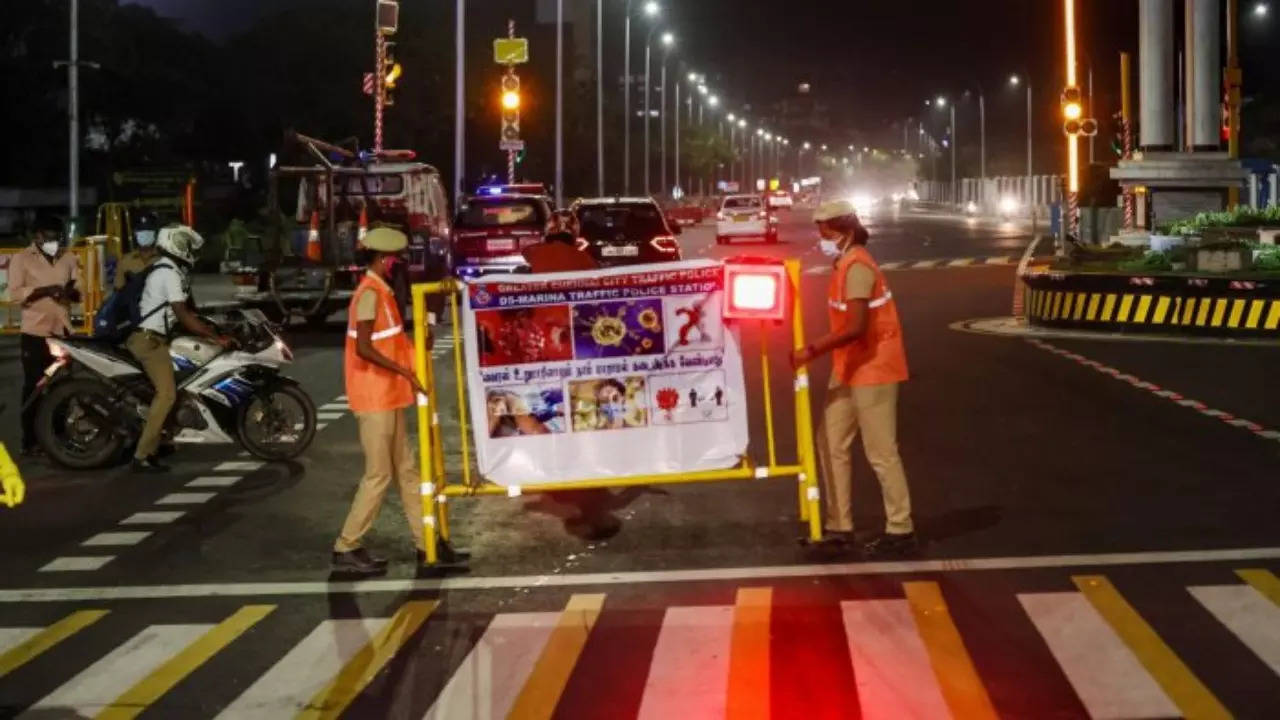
(70,428)
(278,423)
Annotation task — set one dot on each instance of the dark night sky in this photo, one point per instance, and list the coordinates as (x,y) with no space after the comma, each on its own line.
(872,61)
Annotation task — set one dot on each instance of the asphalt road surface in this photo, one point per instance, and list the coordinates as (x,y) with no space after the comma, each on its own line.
(1094,546)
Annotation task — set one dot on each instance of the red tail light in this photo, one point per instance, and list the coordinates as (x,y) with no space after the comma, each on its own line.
(665,244)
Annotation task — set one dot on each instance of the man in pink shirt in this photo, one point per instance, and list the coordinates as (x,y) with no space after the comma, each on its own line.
(44,280)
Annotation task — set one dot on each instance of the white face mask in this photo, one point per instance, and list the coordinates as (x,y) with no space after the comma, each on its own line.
(145,238)
(830,248)
(49,248)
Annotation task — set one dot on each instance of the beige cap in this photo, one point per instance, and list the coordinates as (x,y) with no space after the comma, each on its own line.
(385,240)
(833,209)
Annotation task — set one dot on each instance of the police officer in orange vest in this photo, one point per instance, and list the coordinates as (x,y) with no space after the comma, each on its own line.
(380,386)
(868,363)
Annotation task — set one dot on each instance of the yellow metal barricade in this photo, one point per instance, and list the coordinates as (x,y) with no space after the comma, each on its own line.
(437,488)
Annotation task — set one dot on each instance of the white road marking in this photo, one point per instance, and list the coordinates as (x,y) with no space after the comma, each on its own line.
(214,481)
(494,672)
(892,265)
(238,466)
(330,407)
(1249,615)
(1105,673)
(999,260)
(330,415)
(960,262)
(340,398)
(891,666)
(287,688)
(689,671)
(97,686)
(152,518)
(116,538)
(185,498)
(138,592)
(75,563)
(925,264)
(15,636)
(321,426)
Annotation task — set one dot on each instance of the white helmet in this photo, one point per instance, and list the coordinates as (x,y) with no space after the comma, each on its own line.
(180,242)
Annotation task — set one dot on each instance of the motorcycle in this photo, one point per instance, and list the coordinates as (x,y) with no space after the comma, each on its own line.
(94,398)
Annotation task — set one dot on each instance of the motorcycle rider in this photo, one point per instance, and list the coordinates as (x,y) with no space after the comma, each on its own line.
(137,260)
(163,307)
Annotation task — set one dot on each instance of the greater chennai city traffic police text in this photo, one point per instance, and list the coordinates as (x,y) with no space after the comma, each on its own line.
(380,386)
(868,363)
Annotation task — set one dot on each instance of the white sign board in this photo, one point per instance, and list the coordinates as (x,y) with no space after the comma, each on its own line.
(603,374)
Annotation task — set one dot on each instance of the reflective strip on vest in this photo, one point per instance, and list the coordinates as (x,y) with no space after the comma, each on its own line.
(873,304)
(380,335)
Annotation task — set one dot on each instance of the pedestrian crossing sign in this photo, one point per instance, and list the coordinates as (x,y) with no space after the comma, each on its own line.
(511,51)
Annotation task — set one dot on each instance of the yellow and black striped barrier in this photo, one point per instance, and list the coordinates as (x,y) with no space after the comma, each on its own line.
(1169,305)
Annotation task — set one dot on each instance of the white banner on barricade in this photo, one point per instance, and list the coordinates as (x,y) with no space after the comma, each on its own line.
(605,373)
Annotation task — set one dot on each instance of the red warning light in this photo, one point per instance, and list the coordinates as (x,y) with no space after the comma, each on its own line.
(755,291)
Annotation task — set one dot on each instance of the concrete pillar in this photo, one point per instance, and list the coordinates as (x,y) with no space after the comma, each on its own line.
(1155,70)
(1206,122)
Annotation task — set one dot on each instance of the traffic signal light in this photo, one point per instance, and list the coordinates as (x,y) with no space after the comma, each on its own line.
(1072,109)
(510,100)
(388,16)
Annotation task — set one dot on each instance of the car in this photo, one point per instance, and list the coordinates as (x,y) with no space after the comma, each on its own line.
(491,231)
(626,231)
(745,216)
(779,200)
(687,214)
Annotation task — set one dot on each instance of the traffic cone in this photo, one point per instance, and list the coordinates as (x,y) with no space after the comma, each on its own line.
(314,251)
(364,225)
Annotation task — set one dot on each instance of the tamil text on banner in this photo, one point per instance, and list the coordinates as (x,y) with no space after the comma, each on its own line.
(600,374)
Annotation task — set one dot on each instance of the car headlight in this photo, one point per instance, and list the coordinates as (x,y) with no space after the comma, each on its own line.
(1008,204)
(971,207)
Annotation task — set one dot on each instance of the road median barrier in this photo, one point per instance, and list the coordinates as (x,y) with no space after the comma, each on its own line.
(1206,306)
(611,378)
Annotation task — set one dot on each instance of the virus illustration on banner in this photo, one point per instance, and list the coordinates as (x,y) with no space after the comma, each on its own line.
(668,398)
(618,329)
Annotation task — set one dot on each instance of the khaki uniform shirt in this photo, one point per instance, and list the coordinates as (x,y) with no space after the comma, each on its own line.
(30,269)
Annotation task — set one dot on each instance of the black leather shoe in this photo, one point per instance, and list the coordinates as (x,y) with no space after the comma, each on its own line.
(149,466)
(890,544)
(358,561)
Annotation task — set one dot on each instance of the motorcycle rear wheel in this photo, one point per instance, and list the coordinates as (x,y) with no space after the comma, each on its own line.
(59,415)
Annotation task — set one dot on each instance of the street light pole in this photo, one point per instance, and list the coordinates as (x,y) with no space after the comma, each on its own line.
(459,100)
(955,191)
(73,110)
(626,102)
(559,103)
(675,119)
(662,124)
(600,97)
(647,52)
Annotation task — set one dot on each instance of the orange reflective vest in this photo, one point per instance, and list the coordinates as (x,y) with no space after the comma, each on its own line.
(877,357)
(371,388)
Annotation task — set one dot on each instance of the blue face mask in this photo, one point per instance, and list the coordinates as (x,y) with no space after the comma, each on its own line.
(613,411)
(145,238)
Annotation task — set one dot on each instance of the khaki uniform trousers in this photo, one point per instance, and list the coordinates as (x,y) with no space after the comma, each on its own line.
(873,410)
(385,439)
(152,352)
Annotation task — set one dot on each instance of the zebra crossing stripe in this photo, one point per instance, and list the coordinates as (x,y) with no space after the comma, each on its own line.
(151,688)
(486,684)
(32,646)
(1264,582)
(285,689)
(689,669)
(1249,615)
(957,677)
(890,663)
(1193,699)
(1107,677)
(546,682)
(93,690)
(329,703)
(960,262)
(748,692)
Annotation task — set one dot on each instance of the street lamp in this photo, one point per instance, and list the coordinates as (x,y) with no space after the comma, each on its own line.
(651,9)
(941,103)
(1014,82)
(1261,10)
(668,40)
(648,92)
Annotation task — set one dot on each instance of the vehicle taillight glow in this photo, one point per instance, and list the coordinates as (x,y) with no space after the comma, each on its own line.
(665,244)
(756,291)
